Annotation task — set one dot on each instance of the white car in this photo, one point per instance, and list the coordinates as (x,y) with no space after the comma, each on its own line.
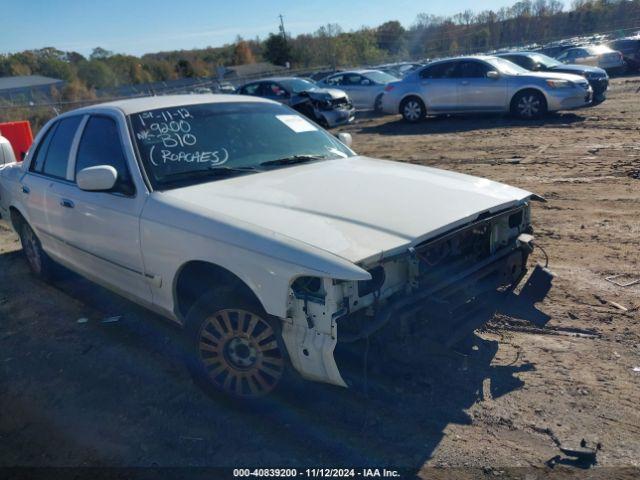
(364,87)
(268,239)
(595,56)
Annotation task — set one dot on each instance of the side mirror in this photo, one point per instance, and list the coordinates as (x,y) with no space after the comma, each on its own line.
(493,74)
(97,179)
(345,138)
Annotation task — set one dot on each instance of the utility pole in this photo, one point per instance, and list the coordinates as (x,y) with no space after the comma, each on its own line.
(284,35)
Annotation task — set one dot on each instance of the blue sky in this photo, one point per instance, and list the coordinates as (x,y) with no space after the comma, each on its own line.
(141,26)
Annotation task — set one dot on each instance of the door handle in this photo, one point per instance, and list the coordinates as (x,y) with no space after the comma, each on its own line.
(26,189)
(66,203)
(464,82)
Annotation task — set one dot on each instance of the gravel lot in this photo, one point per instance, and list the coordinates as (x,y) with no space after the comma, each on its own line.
(116,394)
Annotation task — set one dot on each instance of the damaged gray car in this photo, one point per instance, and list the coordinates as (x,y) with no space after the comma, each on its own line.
(329,107)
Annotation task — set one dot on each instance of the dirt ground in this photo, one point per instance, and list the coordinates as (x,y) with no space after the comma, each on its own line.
(116,393)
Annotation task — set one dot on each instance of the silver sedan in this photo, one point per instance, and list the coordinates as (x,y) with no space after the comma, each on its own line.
(364,87)
(483,84)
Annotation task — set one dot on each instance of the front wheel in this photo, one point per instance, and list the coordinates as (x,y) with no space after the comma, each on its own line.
(529,105)
(39,262)
(412,109)
(233,347)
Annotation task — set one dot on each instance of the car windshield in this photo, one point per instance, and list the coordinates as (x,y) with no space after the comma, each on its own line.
(189,144)
(297,85)
(505,66)
(380,77)
(545,60)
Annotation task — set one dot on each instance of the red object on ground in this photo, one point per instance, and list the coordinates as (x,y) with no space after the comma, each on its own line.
(19,135)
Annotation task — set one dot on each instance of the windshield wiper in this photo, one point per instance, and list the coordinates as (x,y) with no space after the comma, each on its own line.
(218,172)
(292,160)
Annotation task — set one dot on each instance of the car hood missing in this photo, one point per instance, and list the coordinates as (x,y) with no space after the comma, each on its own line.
(357,208)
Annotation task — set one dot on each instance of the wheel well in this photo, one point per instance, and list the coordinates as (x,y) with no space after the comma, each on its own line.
(408,97)
(197,277)
(16,218)
(534,90)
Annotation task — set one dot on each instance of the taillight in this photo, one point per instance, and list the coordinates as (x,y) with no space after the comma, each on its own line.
(388,88)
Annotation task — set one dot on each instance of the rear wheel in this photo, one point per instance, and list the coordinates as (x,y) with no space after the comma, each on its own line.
(412,109)
(529,105)
(234,348)
(377,104)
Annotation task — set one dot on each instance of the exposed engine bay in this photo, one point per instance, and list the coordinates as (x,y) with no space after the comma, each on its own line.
(328,107)
(440,288)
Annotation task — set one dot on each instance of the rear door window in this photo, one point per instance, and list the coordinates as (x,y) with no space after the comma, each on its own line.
(439,70)
(41,150)
(53,157)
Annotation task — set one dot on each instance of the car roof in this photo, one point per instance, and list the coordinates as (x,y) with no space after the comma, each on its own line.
(359,71)
(523,52)
(467,57)
(274,79)
(140,104)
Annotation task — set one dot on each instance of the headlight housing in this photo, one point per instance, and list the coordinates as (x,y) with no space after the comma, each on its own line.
(560,84)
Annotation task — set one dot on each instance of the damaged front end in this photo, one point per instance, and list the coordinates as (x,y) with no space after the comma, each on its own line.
(441,289)
(330,108)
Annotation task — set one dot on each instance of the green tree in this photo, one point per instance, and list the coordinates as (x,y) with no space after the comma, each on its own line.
(100,53)
(96,74)
(277,50)
(390,37)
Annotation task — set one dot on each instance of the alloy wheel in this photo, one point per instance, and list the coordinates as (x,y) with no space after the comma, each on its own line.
(529,106)
(240,354)
(31,249)
(412,110)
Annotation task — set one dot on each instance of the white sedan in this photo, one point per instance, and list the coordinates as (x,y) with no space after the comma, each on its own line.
(269,240)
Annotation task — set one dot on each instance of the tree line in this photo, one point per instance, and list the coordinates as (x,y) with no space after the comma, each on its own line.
(430,36)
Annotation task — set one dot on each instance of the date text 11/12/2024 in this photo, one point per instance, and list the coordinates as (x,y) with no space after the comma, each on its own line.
(317,472)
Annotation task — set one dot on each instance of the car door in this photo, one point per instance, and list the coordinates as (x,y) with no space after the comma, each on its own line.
(567,56)
(102,229)
(583,57)
(361,90)
(476,91)
(250,89)
(438,89)
(334,81)
(274,91)
(48,168)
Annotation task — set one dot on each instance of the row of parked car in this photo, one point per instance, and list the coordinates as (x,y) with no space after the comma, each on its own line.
(526,84)
(616,56)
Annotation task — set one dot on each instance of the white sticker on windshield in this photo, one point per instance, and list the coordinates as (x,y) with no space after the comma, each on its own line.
(296,123)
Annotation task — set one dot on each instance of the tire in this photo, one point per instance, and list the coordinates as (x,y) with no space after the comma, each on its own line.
(234,348)
(377,104)
(412,109)
(529,105)
(39,262)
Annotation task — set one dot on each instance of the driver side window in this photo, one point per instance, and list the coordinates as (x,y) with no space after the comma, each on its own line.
(352,79)
(100,145)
